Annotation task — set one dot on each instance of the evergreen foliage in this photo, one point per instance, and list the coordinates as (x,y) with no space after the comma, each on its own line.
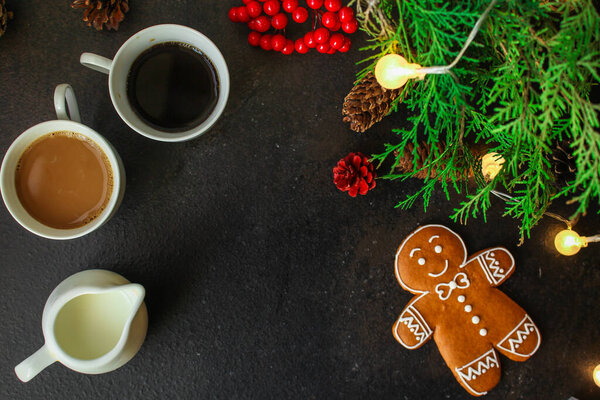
(523,85)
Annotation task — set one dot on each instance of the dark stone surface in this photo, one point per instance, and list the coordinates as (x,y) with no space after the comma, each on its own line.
(263,280)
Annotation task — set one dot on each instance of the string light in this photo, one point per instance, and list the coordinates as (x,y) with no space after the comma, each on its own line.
(568,242)
(393,71)
(596,375)
(491,164)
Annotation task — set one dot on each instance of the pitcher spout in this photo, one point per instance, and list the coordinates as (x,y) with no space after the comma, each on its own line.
(135,293)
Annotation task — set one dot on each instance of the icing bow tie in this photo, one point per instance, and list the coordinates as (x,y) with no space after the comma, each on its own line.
(460,281)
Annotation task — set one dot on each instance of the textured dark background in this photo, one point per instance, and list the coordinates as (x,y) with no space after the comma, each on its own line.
(263,280)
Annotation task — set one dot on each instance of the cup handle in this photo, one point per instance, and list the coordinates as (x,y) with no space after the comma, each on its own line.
(96,62)
(34,364)
(64,100)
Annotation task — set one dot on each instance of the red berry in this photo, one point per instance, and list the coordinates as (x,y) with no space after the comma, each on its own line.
(321,35)
(300,46)
(289,47)
(232,14)
(271,7)
(309,40)
(331,50)
(254,38)
(265,42)
(314,4)
(261,24)
(329,19)
(277,42)
(242,14)
(336,40)
(254,9)
(300,15)
(246,1)
(290,5)
(323,48)
(346,46)
(350,26)
(333,5)
(346,14)
(279,21)
(337,26)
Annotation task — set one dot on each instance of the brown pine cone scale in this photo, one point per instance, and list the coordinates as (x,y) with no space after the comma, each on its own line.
(103,13)
(408,162)
(368,103)
(5,15)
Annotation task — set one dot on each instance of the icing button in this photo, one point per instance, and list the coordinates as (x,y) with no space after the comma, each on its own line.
(483,332)
(421,261)
(461,299)
(452,285)
(475,320)
(468,308)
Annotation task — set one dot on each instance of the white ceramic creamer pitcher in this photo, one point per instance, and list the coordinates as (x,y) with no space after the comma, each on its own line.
(93,322)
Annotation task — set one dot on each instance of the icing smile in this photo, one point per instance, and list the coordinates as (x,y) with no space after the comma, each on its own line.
(441,273)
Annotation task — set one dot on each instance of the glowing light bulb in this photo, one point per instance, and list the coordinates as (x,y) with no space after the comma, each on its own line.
(393,71)
(596,375)
(491,164)
(568,242)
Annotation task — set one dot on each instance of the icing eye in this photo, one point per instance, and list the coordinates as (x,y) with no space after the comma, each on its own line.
(421,261)
(438,249)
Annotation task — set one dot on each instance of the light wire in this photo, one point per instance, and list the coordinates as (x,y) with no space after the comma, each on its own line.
(443,69)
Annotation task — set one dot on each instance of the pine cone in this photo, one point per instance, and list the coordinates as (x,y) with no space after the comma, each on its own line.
(4,17)
(354,174)
(367,103)
(562,162)
(100,13)
(406,163)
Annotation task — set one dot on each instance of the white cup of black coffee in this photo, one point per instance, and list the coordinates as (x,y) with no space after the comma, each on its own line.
(167,82)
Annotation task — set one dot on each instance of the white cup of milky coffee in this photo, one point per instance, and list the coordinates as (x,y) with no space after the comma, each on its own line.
(61,179)
(163,105)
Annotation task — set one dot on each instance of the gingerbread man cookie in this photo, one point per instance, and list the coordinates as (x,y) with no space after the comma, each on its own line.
(458,304)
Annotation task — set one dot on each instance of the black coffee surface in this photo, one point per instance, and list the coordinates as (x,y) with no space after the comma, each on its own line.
(172,87)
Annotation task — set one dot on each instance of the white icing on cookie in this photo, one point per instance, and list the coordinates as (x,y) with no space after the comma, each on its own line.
(421,261)
(461,299)
(440,273)
(476,368)
(517,336)
(413,319)
(468,308)
(460,281)
(475,319)
(399,278)
(483,332)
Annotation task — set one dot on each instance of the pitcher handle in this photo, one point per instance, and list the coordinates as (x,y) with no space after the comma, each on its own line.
(96,62)
(64,100)
(34,364)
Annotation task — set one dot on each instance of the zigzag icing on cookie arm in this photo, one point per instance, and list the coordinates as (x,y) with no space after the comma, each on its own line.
(476,368)
(511,342)
(412,319)
(489,262)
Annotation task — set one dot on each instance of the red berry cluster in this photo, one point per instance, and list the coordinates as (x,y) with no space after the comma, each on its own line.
(326,38)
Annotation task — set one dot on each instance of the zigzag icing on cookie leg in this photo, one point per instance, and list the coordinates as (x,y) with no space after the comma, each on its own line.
(517,336)
(476,368)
